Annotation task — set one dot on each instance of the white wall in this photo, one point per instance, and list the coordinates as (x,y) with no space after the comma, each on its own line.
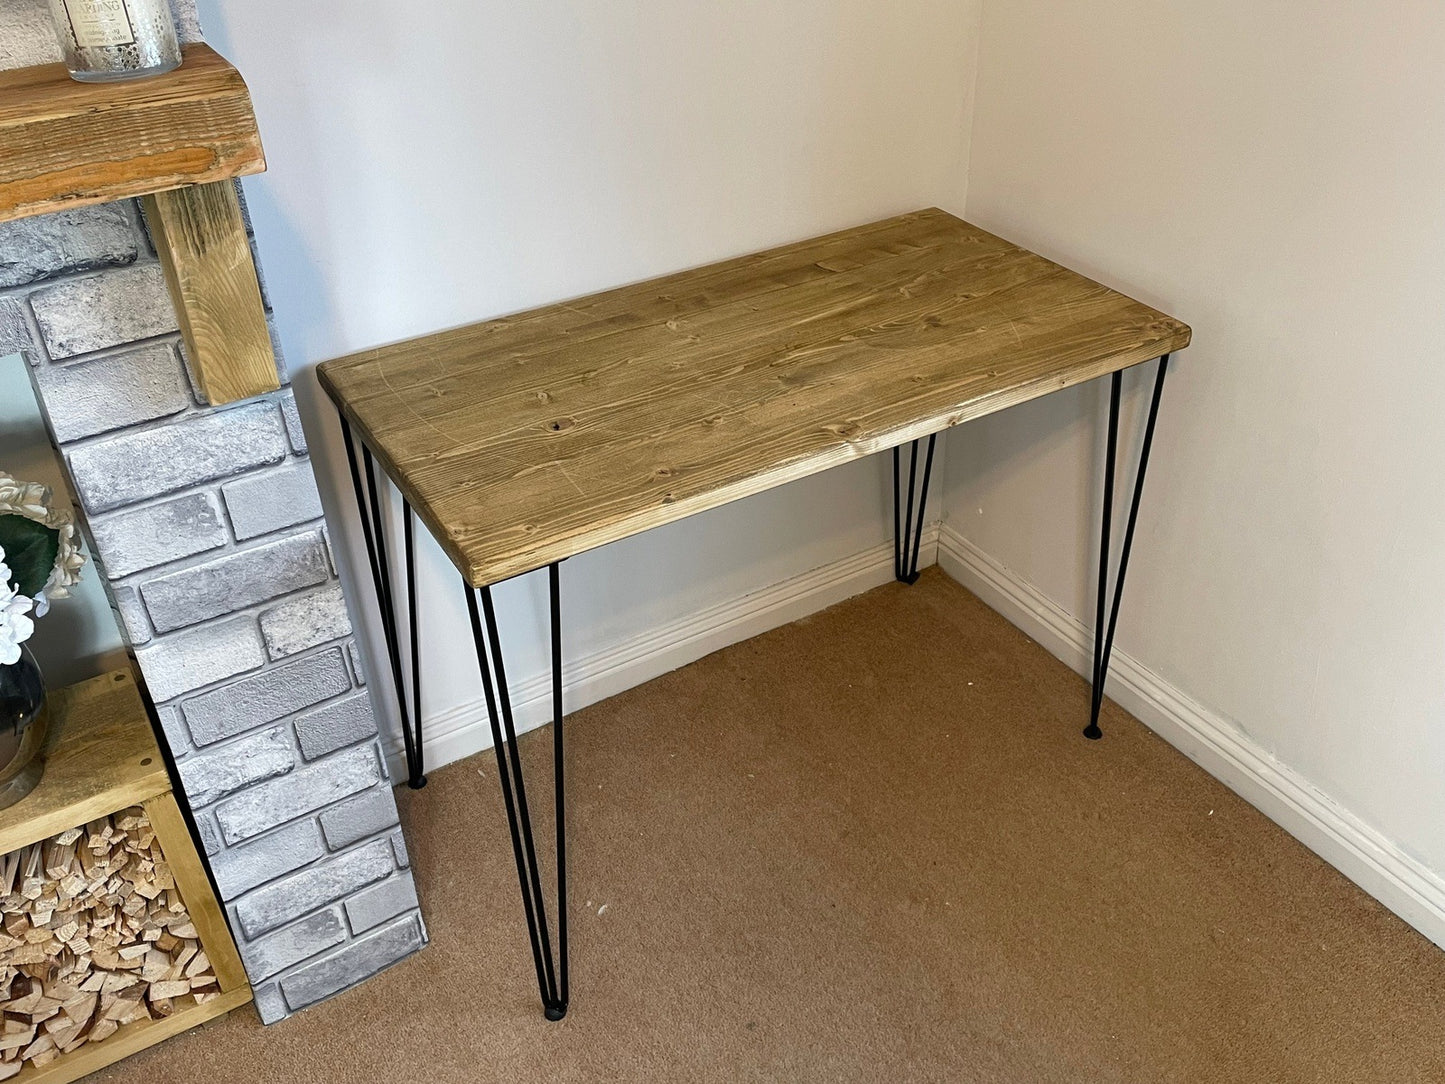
(437,163)
(1274,174)
(79,637)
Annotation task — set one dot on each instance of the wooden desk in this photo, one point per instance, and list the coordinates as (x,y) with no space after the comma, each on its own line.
(524,440)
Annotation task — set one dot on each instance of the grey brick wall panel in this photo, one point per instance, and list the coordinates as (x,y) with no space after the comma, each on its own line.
(335,725)
(224,769)
(303,791)
(275,500)
(176,493)
(266,697)
(366,955)
(81,239)
(198,657)
(305,622)
(85,398)
(356,818)
(155,535)
(240,869)
(277,903)
(124,469)
(101,311)
(372,906)
(233,582)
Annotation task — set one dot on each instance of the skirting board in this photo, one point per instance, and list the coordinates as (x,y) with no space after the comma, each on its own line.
(1379,866)
(464,730)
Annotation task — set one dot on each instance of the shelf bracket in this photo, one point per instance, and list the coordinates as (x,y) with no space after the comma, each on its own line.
(200,237)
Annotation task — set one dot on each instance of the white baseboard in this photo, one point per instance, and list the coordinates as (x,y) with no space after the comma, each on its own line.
(464,730)
(1378,865)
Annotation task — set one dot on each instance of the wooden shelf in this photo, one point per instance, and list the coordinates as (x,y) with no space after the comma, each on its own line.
(68,144)
(102,757)
(179,140)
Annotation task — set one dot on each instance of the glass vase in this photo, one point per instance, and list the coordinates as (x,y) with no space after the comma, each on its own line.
(23,725)
(107,40)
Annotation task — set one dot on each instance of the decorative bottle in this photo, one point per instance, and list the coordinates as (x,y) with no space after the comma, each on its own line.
(107,40)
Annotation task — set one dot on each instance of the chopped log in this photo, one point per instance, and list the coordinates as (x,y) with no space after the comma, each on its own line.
(95,937)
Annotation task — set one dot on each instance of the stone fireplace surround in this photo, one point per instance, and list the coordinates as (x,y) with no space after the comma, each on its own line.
(206,526)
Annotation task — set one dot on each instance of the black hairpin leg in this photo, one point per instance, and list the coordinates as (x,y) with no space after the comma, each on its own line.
(1104,636)
(373,529)
(908,536)
(551,975)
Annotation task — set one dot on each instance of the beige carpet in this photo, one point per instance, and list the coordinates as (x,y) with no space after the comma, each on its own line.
(871,846)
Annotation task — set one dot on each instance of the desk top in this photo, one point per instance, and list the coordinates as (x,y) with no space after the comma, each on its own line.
(531,438)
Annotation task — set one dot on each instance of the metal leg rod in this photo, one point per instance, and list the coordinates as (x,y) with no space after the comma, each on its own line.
(1104,631)
(551,977)
(373,531)
(908,534)
(559,781)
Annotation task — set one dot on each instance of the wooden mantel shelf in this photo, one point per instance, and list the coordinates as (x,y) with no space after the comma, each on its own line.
(178,140)
(68,144)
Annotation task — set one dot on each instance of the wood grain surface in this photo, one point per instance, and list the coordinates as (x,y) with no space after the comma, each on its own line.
(527,439)
(195,885)
(67,144)
(200,238)
(101,756)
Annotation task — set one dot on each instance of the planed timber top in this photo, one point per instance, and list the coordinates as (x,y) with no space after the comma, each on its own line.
(530,438)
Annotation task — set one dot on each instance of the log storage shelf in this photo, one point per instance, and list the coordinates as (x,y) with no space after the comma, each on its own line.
(179,140)
(111,938)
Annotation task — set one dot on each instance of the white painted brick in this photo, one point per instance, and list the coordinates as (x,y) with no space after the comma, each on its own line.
(262,503)
(84,398)
(240,869)
(349,964)
(126,468)
(277,903)
(188,660)
(178,738)
(303,791)
(375,905)
(209,833)
(66,242)
(133,620)
(14,332)
(356,818)
(131,541)
(293,422)
(335,725)
(292,944)
(233,582)
(120,306)
(265,697)
(269,1002)
(305,621)
(224,769)
(356,668)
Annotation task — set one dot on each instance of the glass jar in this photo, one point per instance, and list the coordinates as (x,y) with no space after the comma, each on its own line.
(107,40)
(23,725)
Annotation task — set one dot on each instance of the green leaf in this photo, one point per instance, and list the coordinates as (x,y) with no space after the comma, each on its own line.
(30,551)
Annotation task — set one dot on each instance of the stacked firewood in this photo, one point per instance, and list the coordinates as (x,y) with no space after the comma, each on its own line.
(93,936)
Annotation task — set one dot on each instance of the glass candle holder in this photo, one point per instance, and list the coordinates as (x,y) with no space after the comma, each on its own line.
(107,40)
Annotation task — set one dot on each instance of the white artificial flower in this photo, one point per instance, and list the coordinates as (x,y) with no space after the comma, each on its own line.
(15,625)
